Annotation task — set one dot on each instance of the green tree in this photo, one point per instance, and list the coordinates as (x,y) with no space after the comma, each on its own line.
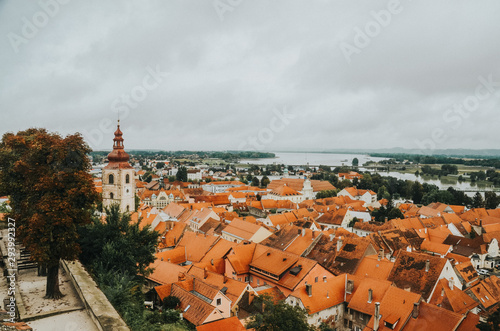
(478,201)
(326,194)
(352,222)
(395,213)
(137,201)
(278,316)
(160,165)
(181,174)
(355,162)
(264,181)
(255,182)
(491,200)
(170,302)
(118,244)
(417,192)
(51,194)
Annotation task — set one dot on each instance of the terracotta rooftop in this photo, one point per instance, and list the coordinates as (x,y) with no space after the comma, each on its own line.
(233,289)
(212,224)
(435,318)
(325,294)
(465,246)
(195,309)
(173,235)
(373,226)
(282,219)
(469,323)
(393,240)
(242,229)
(395,308)
(453,298)
(297,184)
(466,271)
(410,271)
(281,268)
(274,261)
(292,239)
(360,300)
(433,247)
(241,256)
(348,258)
(232,323)
(334,217)
(218,251)
(196,245)
(372,266)
(165,272)
(284,191)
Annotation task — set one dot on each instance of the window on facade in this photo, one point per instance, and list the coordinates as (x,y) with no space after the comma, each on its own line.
(127,179)
(111,179)
(246,279)
(111,196)
(251,279)
(128,208)
(316,279)
(258,282)
(219,302)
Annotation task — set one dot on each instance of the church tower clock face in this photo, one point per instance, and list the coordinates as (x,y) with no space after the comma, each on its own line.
(118,176)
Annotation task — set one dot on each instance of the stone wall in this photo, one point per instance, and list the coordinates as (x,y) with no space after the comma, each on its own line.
(100,309)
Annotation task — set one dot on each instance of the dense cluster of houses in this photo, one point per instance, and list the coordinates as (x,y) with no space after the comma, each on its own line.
(224,243)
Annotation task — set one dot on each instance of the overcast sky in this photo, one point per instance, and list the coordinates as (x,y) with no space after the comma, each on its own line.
(252,74)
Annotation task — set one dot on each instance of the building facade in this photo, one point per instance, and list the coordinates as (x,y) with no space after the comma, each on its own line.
(118,177)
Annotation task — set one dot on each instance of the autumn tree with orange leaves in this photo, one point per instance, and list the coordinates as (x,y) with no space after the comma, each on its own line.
(51,194)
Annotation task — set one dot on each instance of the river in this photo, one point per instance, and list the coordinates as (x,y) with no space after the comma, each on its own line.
(331,159)
(314,159)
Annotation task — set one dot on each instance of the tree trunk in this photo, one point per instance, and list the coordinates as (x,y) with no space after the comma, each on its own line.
(52,289)
(42,270)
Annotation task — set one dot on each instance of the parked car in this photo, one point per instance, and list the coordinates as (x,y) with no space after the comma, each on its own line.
(483,272)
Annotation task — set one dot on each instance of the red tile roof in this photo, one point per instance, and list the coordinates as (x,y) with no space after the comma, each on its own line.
(232,323)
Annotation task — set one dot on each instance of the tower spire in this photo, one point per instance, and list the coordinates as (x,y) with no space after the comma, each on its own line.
(118,156)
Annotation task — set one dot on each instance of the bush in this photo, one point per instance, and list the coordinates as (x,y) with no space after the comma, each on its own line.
(171,302)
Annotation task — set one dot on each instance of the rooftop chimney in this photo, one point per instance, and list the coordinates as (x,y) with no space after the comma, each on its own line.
(350,286)
(327,294)
(324,279)
(332,236)
(303,232)
(309,290)
(339,243)
(427,265)
(415,311)
(442,292)
(376,317)
(381,254)
(450,283)
(370,295)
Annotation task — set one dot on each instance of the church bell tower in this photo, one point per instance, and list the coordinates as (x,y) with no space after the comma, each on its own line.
(118,177)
